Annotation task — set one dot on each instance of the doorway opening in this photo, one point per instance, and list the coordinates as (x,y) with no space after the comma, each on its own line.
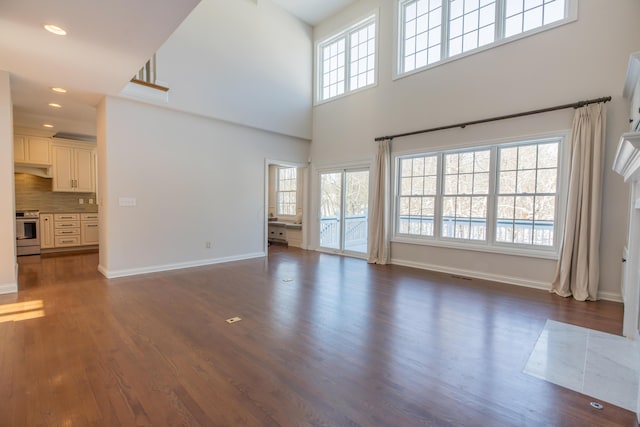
(285,198)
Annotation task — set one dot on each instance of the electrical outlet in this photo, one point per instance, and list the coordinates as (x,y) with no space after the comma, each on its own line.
(81,201)
(207,245)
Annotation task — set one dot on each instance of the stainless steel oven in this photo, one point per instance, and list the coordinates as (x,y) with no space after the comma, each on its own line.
(28,232)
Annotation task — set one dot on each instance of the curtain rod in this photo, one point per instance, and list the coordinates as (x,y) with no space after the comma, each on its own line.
(493,119)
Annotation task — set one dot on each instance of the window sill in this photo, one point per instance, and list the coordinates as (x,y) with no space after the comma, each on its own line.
(319,102)
(286,218)
(479,247)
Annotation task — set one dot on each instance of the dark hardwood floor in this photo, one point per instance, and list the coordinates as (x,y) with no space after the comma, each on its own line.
(324,341)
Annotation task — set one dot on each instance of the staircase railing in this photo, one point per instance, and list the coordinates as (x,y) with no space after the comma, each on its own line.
(147,75)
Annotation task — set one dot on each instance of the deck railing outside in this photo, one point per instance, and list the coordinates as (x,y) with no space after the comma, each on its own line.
(355,231)
(523,231)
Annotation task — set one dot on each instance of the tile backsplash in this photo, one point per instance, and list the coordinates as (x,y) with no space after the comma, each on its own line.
(34,192)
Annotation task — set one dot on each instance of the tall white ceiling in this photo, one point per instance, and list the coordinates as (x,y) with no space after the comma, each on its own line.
(313,11)
(107,42)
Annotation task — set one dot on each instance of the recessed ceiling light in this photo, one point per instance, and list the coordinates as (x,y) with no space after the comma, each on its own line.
(47,125)
(59,90)
(54,105)
(55,30)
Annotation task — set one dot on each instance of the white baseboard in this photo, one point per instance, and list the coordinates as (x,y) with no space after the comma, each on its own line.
(9,288)
(112,274)
(510,280)
(610,296)
(474,274)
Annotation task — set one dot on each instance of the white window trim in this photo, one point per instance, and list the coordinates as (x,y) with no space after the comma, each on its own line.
(489,246)
(373,16)
(572,16)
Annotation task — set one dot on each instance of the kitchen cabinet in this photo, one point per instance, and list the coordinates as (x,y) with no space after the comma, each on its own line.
(277,232)
(89,229)
(47,234)
(294,235)
(74,167)
(19,152)
(66,230)
(31,150)
(283,232)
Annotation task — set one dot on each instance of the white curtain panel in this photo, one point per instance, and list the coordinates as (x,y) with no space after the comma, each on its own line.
(378,231)
(578,270)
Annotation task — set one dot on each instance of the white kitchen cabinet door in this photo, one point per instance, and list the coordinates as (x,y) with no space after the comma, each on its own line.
(74,169)
(67,241)
(38,151)
(85,170)
(63,168)
(19,145)
(46,231)
(31,150)
(89,233)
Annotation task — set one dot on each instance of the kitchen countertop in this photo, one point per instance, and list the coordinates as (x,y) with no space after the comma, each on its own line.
(79,209)
(57,211)
(286,224)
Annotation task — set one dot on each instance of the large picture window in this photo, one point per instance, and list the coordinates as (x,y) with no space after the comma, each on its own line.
(433,30)
(503,195)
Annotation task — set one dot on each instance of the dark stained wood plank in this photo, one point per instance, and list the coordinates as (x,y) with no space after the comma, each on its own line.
(324,341)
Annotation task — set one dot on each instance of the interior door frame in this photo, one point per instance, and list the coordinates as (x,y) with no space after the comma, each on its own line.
(305,200)
(337,168)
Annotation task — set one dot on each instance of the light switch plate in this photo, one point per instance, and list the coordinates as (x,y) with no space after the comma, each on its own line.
(127,201)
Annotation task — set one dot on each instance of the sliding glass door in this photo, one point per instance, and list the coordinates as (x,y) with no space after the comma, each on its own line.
(344,210)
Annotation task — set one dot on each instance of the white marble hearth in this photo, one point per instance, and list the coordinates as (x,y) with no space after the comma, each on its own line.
(594,363)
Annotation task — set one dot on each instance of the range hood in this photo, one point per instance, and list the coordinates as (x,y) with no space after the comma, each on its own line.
(39,170)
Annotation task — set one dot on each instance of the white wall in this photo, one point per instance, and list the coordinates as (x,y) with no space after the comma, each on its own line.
(8,279)
(244,62)
(195,180)
(581,60)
